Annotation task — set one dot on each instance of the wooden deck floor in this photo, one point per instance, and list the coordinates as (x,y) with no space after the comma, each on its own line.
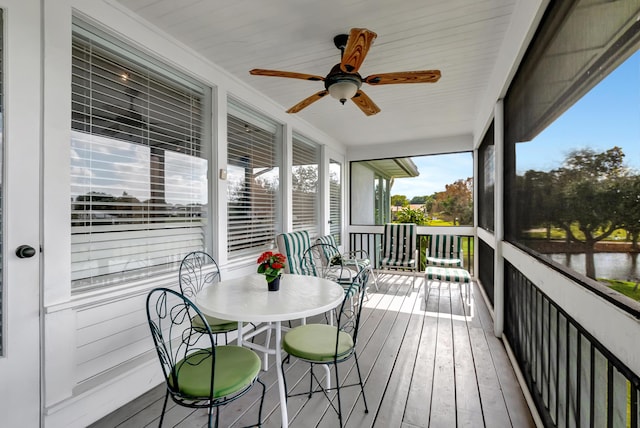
(430,362)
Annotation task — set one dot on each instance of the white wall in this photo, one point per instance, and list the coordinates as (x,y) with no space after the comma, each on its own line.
(98,353)
(362,195)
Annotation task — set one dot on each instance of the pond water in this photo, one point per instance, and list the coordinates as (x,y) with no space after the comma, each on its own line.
(622,266)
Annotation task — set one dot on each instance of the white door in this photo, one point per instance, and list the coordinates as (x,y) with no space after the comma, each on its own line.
(20,103)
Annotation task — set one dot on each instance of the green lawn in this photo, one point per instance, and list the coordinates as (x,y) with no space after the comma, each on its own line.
(557,233)
(624,287)
(439,223)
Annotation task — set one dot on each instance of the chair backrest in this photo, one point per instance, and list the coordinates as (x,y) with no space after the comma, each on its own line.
(348,317)
(399,241)
(197,271)
(445,246)
(293,245)
(315,262)
(170,316)
(330,247)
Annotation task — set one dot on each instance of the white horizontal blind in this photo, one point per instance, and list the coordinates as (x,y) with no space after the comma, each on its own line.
(306,158)
(253,184)
(335,200)
(138,172)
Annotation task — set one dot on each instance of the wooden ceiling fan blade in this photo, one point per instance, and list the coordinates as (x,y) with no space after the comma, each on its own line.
(358,44)
(423,76)
(307,101)
(365,104)
(278,73)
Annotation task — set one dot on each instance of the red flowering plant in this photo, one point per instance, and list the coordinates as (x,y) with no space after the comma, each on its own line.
(271,264)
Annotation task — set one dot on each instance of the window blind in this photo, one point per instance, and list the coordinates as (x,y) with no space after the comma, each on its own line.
(306,158)
(253,184)
(335,200)
(138,169)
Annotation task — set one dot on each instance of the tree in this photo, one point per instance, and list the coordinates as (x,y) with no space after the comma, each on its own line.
(456,202)
(588,198)
(418,200)
(538,204)
(428,203)
(630,209)
(399,201)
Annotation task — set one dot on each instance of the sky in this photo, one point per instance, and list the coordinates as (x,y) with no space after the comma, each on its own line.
(607,116)
(435,172)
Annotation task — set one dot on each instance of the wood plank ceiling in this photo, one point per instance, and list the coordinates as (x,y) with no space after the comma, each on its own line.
(461,38)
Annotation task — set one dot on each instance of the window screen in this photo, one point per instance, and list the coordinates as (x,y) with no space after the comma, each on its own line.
(571,146)
(486,184)
(138,169)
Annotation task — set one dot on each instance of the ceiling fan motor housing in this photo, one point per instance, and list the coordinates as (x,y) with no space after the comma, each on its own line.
(337,76)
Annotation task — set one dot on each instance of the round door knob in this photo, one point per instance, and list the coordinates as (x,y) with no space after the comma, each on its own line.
(25,251)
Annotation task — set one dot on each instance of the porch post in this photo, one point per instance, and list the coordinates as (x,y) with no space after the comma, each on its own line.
(498,267)
(285,178)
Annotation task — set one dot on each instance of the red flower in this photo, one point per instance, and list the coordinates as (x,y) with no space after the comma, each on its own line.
(270,264)
(265,256)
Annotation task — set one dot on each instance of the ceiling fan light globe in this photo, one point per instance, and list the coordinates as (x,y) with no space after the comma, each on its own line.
(343,90)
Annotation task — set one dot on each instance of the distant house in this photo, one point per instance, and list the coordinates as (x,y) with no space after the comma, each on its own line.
(382,172)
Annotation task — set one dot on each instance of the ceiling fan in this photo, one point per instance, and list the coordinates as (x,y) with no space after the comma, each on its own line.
(343,81)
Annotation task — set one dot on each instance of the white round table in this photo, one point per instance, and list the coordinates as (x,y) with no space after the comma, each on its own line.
(247,299)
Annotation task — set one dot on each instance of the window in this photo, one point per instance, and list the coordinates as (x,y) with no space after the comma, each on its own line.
(435,190)
(335,200)
(572,146)
(306,158)
(382,211)
(139,193)
(253,182)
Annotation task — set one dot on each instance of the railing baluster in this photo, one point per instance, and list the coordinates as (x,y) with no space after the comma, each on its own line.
(573,379)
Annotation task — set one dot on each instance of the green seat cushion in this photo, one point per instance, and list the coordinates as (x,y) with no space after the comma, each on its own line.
(316,342)
(217,325)
(236,368)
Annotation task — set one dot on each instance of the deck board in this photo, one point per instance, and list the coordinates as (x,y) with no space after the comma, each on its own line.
(468,405)
(429,359)
(443,400)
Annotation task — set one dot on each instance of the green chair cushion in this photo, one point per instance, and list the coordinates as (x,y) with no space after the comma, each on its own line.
(316,342)
(236,368)
(217,325)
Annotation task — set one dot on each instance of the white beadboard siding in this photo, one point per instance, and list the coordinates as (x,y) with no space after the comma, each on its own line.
(113,339)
